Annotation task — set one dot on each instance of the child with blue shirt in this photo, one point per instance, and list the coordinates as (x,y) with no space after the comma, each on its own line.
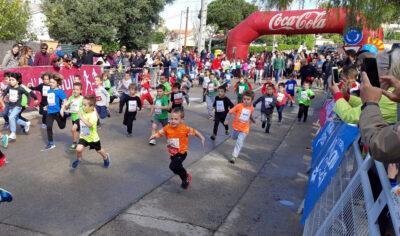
(55,100)
(291,88)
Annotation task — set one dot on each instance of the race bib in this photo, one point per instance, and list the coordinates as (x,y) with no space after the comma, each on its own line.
(220,106)
(84,129)
(51,99)
(45,90)
(241,89)
(268,101)
(211,87)
(132,106)
(143,91)
(178,96)
(290,86)
(74,107)
(245,115)
(280,97)
(13,95)
(304,95)
(158,110)
(173,146)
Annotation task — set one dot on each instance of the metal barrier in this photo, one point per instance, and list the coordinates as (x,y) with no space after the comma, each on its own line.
(351,204)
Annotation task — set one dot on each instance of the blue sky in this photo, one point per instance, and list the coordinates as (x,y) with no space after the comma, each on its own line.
(172,12)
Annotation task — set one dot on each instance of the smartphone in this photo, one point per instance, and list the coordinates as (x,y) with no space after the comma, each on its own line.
(335,75)
(370,66)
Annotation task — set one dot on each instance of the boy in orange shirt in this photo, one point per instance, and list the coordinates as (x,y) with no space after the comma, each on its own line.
(243,114)
(177,134)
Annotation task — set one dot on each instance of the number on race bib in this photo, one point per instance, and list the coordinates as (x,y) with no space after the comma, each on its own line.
(268,101)
(220,106)
(51,99)
(245,115)
(173,146)
(45,90)
(132,106)
(211,87)
(85,130)
(158,110)
(290,86)
(241,89)
(74,107)
(177,96)
(304,95)
(13,97)
(280,97)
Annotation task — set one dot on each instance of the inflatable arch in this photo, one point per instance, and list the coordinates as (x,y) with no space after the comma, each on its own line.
(287,22)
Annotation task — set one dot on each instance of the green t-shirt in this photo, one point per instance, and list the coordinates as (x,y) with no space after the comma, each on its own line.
(167,87)
(304,96)
(24,100)
(107,86)
(90,135)
(212,88)
(161,114)
(241,88)
(75,106)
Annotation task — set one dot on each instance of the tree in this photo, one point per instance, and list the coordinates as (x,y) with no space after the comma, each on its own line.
(375,12)
(14,19)
(130,23)
(226,14)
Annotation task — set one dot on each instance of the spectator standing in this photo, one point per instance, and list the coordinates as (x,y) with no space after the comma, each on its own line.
(11,59)
(42,58)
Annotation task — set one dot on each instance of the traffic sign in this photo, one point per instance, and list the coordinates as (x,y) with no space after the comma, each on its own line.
(353,37)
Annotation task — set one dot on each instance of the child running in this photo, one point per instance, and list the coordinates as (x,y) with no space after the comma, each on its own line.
(177,96)
(211,92)
(43,89)
(160,111)
(102,99)
(55,99)
(291,87)
(222,105)
(243,114)
(185,87)
(240,88)
(133,104)
(281,100)
(88,136)
(177,134)
(304,96)
(268,102)
(73,106)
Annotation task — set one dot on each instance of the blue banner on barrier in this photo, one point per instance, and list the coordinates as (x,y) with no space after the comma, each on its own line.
(331,148)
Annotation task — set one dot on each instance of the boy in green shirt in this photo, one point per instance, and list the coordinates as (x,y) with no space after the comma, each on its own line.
(73,106)
(160,111)
(88,136)
(241,87)
(167,86)
(304,96)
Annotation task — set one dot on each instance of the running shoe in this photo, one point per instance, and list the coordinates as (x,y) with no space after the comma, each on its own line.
(12,136)
(185,184)
(107,161)
(152,142)
(49,146)
(27,127)
(75,164)
(5,196)
(73,147)
(4,140)
(232,160)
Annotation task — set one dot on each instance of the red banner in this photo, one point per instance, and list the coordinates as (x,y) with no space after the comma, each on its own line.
(31,75)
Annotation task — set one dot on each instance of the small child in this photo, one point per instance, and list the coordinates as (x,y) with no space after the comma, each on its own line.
(177,96)
(43,89)
(291,88)
(281,100)
(243,114)
(268,102)
(222,105)
(240,88)
(133,104)
(185,87)
(73,106)
(177,134)
(88,136)
(102,99)
(160,111)
(166,84)
(211,93)
(145,87)
(304,96)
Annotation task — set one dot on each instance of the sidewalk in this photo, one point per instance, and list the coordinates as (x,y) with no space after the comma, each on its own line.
(259,195)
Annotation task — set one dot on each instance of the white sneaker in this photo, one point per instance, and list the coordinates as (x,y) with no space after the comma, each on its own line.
(27,126)
(43,126)
(152,142)
(12,136)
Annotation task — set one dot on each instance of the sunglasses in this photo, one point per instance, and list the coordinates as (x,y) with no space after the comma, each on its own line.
(44,48)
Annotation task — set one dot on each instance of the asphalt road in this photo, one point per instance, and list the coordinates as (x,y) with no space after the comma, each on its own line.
(139,195)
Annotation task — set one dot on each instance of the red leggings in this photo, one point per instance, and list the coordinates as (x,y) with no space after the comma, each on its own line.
(146,96)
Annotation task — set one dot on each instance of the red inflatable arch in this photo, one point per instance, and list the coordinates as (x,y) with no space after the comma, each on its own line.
(286,22)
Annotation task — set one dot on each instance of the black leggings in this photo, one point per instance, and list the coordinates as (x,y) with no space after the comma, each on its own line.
(122,100)
(177,167)
(43,113)
(20,115)
(303,111)
(61,121)
(218,120)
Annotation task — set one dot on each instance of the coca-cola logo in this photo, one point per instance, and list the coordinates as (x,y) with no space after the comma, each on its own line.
(307,20)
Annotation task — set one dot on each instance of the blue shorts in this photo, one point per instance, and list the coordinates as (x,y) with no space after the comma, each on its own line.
(102,111)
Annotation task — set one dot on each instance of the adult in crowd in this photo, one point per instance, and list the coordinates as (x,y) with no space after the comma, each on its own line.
(11,59)
(307,72)
(42,58)
(278,65)
(89,55)
(26,56)
(77,56)
(382,138)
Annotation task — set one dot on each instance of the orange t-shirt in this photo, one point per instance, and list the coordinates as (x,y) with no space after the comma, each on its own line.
(241,122)
(178,138)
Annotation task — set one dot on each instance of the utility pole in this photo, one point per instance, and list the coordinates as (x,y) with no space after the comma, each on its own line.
(180,33)
(186,28)
(203,22)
